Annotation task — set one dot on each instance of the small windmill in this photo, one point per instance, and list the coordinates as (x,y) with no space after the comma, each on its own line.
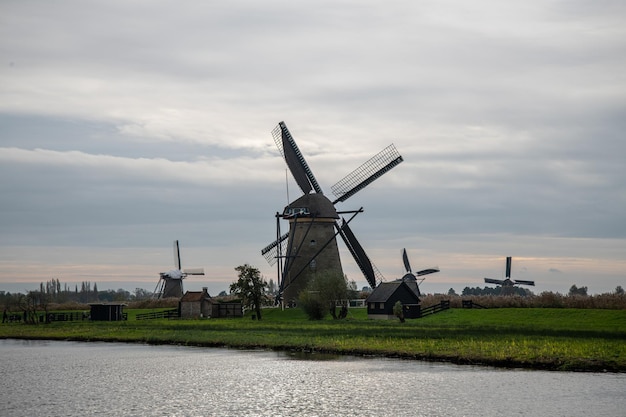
(171,283)
(310,246)
(412,278)
(508,283)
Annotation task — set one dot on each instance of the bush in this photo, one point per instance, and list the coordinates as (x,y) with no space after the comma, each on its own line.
(314,308)
(321,294)
(398,311)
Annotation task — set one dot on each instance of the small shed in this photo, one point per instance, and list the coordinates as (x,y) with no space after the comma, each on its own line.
(228,309)
(107,312)
(195,304)
(381,301)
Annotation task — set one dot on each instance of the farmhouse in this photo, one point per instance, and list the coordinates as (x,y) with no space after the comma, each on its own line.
(381,301)
(197,304)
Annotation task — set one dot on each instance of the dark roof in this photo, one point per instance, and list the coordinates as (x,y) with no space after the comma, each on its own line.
(194,296)
(385,290)
(318,205)
(411,281)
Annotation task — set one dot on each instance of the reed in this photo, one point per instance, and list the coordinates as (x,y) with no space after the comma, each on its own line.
(547,299)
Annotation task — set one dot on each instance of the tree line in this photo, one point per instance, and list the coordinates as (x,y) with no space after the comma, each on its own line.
(56,292)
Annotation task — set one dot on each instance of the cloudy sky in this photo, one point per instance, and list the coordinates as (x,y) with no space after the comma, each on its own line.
(127,124)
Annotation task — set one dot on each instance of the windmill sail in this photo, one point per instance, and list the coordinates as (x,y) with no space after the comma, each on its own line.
(355,248)
(405,259)
(367,173)
(294,159)
(427,271)
(176,255)
(270,252)
(508,267)
(193,271)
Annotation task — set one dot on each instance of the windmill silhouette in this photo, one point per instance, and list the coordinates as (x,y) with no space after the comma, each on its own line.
(414,279)
(310,246)
(508,284)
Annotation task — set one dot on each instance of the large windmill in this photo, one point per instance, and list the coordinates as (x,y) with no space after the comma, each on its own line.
(508,283)
(171,282)
(310,246)
(415,279)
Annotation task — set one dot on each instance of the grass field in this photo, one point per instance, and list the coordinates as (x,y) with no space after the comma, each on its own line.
(555,339)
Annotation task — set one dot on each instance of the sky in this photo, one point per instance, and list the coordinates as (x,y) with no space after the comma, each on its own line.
(125,125)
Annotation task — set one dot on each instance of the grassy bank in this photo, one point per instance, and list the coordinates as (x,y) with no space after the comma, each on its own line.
(556,339)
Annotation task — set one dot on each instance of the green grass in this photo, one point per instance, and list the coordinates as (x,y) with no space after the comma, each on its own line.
(557,339)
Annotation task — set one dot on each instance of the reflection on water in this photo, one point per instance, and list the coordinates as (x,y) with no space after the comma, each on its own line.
(77,379)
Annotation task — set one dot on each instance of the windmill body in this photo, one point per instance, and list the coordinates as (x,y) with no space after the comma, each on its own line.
(508,284)
(171,283)
(310,246)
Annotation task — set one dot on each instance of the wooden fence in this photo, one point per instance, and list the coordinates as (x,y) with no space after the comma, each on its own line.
(471,304)
(166,314)
(436,308)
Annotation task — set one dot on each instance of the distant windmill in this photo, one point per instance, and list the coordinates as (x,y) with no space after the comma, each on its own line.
(310,246)
(412,278)
(508,284)
(171,283)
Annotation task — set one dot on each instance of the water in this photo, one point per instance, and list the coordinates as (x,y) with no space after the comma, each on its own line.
(47,378)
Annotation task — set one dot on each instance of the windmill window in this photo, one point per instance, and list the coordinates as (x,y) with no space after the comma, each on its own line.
(313,264)
(312,242)
(296,211)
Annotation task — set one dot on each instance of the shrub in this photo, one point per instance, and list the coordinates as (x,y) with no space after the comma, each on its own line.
(321,294)
(398,311)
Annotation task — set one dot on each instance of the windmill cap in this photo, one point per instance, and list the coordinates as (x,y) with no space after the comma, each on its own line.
(316,204)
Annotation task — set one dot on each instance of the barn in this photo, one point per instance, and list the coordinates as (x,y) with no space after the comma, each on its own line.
(197,304)
(381,301)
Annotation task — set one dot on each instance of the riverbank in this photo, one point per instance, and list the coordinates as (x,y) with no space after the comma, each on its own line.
(552,339)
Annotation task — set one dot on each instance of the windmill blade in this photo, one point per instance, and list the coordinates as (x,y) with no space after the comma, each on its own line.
(295,161)
(508,267)
(494,281)
(405,259)
(194,271)
(427,271)
(176,255)
(367,173)
(270,252)
(522,282)
(359,255)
